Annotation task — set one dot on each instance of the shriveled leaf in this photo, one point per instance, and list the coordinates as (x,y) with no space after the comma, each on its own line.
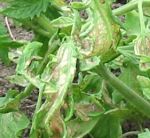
(26,8)
(142,49)
(12,124)
(101,38)
(144,63)
(29,55)
(61,76)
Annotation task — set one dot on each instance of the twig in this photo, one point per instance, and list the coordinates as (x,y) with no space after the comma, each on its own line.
(9,30)
(130,133)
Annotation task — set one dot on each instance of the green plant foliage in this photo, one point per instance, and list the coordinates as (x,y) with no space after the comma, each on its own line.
(107,127)
(90,67)
(27,9)
(13,124)
(144,82)
(145,134)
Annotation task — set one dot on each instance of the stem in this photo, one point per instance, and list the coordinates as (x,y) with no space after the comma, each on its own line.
(9,29)
(129,7)
(142,24)
(39,101)
(130,134)
(130,95)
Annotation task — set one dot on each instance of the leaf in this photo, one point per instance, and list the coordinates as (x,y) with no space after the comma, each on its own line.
(7,104)
(61,76)
(62,22)
(145,85)
(145,134)
(91,83)
(12,124)
(21,9)
(4,55)
(3,30)
(129,76)
(78,128)
(142,49)
(132,23)
(128,52)
(18,80)
(28,57)
(146,11)
(80,5)
(6,43)
(90,63)
(108,126)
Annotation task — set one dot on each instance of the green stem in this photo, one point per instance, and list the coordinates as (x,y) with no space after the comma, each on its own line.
(142,24)
(130,133)
(130,95)
(129,7)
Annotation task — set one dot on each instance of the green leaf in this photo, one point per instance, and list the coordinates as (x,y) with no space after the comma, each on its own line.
(12,124)
(62,22)
(90,63)
(3,30)
(4,55)
(145,134)
(61,76)
(128,52)
(108,126)
(145,85)
(21,9)
(132,23)
(147,11)
(80,5)
(78,128)
(129,76)
(18,80)
(91,83)
(29,56)
(7,104)
(6,43)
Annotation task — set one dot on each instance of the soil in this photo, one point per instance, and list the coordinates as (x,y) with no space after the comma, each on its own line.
(28,105)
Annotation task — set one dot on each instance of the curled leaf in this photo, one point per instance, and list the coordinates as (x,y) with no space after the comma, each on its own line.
(104,35)
(142,49)
(142,46)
